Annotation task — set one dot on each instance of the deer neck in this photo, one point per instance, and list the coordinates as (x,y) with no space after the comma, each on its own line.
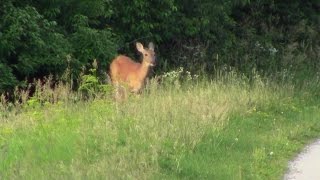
(143,71)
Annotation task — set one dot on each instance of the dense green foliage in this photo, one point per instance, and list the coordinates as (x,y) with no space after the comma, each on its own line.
(38,38)
(240,123)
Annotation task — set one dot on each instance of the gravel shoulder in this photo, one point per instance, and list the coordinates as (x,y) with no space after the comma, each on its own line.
(306,166)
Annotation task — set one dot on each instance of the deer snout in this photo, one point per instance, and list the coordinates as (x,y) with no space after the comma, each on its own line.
(153,62)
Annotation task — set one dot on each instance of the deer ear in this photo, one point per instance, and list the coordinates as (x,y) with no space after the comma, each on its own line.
(139,47)
(151,46)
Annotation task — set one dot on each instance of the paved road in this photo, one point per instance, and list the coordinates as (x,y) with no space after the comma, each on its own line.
(307,165)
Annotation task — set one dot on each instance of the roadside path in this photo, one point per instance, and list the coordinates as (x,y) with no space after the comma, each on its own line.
(306,166)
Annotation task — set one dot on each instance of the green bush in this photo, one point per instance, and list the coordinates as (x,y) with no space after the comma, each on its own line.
(46,37)
(29,44)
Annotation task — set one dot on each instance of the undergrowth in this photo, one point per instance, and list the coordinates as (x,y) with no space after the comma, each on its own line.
(228,127)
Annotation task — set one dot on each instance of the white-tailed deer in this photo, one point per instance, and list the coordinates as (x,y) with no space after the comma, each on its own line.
(123,70)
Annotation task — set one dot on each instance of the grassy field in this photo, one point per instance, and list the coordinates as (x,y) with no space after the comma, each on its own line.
(230,127)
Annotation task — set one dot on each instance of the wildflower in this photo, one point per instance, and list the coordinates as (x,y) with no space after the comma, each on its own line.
(95,64)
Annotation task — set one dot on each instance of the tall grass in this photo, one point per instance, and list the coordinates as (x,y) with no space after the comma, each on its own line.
(158,134)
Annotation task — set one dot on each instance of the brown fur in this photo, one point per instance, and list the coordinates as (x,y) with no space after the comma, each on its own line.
(123,70)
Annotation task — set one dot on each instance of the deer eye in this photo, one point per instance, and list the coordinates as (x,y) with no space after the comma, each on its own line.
(146,54)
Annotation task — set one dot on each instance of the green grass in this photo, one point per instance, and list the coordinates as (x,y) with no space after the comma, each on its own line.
(226,128)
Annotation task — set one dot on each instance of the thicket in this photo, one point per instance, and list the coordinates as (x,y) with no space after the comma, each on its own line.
(38,38)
